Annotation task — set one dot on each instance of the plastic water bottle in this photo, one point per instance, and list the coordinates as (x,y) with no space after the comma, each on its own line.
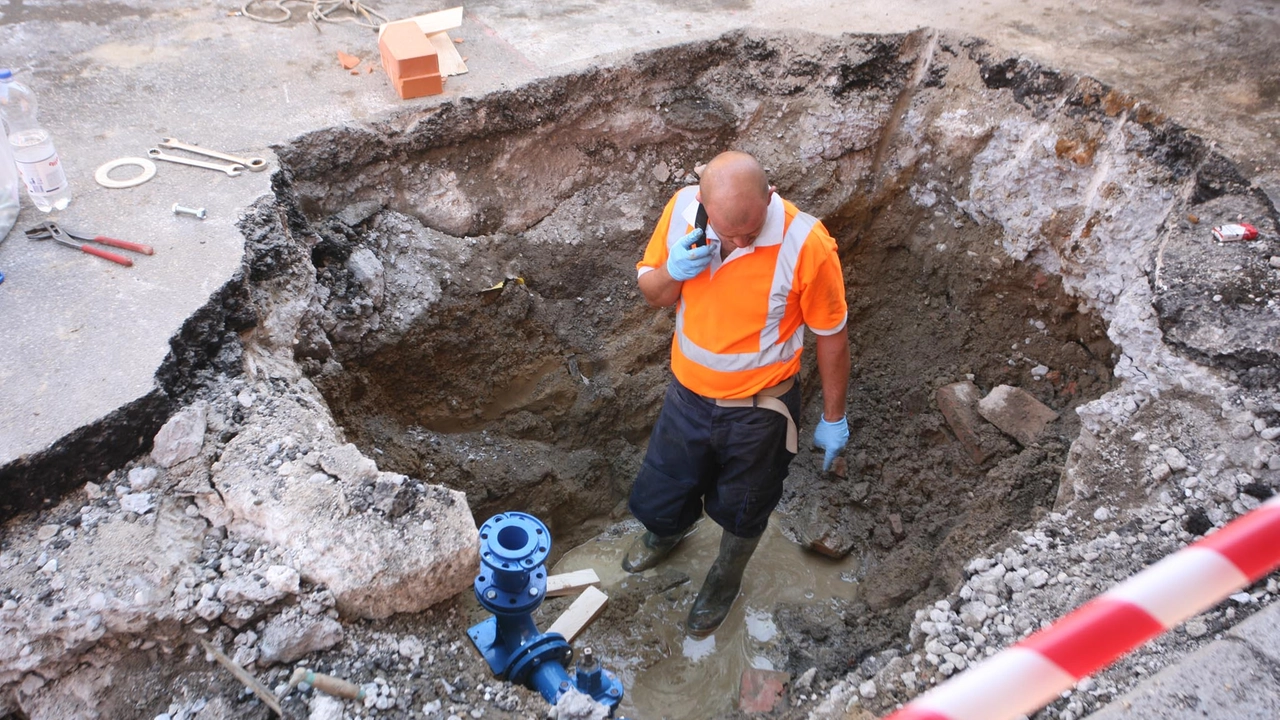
(10,190)
(32,146)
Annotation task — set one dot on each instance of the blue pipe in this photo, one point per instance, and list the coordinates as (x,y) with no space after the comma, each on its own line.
(511,584)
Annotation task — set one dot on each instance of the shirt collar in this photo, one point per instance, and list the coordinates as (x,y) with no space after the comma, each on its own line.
(770,233)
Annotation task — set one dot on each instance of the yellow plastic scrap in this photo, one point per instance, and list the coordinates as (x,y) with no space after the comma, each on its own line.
(501,284)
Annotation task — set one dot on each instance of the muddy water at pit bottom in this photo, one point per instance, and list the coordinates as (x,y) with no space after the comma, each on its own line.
(699,679)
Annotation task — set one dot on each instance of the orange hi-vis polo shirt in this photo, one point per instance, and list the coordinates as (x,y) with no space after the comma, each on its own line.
(740,323)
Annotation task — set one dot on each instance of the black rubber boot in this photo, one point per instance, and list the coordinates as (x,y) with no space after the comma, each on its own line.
(721,587)
(648,550)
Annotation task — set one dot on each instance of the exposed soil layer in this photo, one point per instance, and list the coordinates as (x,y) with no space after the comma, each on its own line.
(505,352)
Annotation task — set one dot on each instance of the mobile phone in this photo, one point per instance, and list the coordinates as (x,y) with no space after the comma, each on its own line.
(700,222)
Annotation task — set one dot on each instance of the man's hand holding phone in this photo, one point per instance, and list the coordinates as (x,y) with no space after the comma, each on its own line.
(690,256)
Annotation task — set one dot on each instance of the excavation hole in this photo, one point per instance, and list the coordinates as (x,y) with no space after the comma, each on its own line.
(477,325)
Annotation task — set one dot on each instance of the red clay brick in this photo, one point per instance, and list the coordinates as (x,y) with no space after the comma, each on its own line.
(412,87)
(761,690)
(406,52)
(958,403)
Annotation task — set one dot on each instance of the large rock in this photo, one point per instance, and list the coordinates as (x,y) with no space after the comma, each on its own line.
(290,636)
(1016,413)
(182,437)
(374,562)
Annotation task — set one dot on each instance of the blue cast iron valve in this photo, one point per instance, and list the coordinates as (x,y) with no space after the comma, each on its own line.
(511,584)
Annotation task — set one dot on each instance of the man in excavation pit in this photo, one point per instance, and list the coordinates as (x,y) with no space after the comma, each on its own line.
(744,290)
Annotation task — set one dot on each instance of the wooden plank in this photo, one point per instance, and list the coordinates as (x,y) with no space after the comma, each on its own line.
(450,61)
(434,22)
(439,21)
(571,582)
(580,614)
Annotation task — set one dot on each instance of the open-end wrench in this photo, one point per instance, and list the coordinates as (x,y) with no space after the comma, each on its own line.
(254,164)
(232,170)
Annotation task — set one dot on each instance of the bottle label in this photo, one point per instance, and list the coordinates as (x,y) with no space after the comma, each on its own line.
(43,176)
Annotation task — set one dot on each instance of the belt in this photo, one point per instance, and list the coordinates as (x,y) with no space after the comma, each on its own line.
(768,399)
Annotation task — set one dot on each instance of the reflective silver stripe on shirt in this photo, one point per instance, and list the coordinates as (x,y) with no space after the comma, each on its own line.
(735,362)
(784,273)
(771,351)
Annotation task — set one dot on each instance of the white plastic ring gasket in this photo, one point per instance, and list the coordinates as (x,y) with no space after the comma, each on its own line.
(104,172)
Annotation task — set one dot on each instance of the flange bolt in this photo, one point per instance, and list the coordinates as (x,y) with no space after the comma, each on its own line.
(193,212)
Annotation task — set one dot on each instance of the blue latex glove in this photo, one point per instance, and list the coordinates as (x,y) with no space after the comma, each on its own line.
(685,261)
(831,437)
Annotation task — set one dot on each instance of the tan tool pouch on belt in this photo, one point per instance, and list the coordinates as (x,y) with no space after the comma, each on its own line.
(768,399)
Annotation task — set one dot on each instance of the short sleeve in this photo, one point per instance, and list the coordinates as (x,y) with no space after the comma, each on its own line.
(823,305)
(655,253)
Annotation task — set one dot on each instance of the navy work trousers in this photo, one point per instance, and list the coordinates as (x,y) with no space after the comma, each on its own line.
(730,460)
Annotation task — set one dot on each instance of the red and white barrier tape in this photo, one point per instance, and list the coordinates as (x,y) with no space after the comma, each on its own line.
(1032,673)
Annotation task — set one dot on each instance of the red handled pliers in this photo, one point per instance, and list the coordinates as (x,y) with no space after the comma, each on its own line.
(50,230)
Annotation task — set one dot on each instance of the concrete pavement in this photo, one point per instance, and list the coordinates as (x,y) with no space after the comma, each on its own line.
(1233,678)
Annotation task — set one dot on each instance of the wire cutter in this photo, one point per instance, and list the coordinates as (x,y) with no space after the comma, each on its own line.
(51,230)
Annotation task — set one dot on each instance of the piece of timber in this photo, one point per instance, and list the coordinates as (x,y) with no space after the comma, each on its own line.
(571,582)
(585,609)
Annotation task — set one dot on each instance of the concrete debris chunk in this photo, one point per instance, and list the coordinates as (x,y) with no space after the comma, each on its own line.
(142,478)
(363,558)
(348,464)
(283,579)
(324,707)
(1016,413)
(140,503)
(576,705)
(246,589)
(367,270)
(182,437)
(291,636)
(1174,458)
(412,648)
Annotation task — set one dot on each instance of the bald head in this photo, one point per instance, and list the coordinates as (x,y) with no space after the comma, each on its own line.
(736,193)
(731,174)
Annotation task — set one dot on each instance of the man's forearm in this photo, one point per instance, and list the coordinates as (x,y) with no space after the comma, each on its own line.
(833,368)
(659,288)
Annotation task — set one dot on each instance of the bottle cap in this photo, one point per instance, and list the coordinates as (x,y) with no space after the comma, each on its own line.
(6,74)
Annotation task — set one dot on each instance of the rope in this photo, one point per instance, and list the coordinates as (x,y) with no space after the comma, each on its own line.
(321,11)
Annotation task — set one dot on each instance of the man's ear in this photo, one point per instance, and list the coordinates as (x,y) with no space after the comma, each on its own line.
(772,189)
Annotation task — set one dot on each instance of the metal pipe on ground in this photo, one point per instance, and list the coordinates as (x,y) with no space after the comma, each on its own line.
(511,584)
